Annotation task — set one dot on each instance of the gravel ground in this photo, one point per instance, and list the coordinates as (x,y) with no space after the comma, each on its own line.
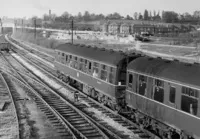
(65,92)
(33,123)
(8,124)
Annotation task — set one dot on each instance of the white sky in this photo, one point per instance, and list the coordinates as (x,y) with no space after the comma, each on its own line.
(28,8)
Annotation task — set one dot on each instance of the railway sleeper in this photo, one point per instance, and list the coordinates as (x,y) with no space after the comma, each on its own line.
(63,111)
(68,114)
(76,118)
(82,122)
(94,136)
(88,130)
(83,125)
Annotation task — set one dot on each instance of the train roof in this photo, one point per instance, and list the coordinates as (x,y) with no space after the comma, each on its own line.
(169,70)
(98,54)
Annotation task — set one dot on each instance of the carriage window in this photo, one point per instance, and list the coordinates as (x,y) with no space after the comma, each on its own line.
(159,83)
(73,62)
(190,92)
(189,100)
(104,75)
(142,84)
(96,64)
(112,75)
(111,78)
(130,78)
(96,70)
(189,104)
(158,90)
(104,72)
(82,65)
(70,56)
(111,69)
(66,57)
(172,94)
(63,54)
(90,65)
(103,67)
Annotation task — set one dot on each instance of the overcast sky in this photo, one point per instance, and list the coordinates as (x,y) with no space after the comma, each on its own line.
(28,8)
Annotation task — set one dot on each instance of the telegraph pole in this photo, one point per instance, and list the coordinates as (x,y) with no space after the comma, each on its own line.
(1,26)
(35,28)
(22,25)
(72,29)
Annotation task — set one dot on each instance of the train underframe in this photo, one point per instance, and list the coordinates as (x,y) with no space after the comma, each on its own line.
(141,119)
(90,91)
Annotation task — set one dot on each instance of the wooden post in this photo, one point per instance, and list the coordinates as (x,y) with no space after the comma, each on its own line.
(72,29)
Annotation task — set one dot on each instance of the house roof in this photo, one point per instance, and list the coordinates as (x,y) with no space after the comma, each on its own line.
(173,70)
(98,54)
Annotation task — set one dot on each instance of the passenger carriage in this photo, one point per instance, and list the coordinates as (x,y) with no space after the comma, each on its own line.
(97,72)
(167,91)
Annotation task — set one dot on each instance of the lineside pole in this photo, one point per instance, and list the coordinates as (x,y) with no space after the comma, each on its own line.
(72,29)
(35,28)
(22,26)
(1,26)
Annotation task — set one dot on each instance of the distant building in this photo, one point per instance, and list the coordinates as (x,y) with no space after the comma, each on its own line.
(105,27)
(136,26)
(124,29)
(113,28)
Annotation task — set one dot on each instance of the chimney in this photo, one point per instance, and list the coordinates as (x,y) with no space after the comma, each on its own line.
(49,13)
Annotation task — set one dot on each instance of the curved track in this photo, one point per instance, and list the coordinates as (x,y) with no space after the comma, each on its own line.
(136,131)
(79,123)
(4,89)
(53,117)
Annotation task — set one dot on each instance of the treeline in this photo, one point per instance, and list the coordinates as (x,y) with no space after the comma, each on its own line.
(66,17)
(164,16)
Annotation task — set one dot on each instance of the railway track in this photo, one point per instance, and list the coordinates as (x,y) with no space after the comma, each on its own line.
(59,124)
(5,89)
(82,127)
(29,50)
(15,67)
(73,117)
(91,108)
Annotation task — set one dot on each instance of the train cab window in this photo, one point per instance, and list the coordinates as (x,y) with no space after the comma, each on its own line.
(189,100)
(158,90)
(95,70)
(142,85)
(130,80)
(104,73)
(172,94)
(112,72)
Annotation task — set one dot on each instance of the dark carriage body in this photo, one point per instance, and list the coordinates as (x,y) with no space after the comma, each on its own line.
(168,91)
(101,72)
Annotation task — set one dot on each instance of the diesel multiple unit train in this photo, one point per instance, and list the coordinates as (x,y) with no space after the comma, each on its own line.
(157,94)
